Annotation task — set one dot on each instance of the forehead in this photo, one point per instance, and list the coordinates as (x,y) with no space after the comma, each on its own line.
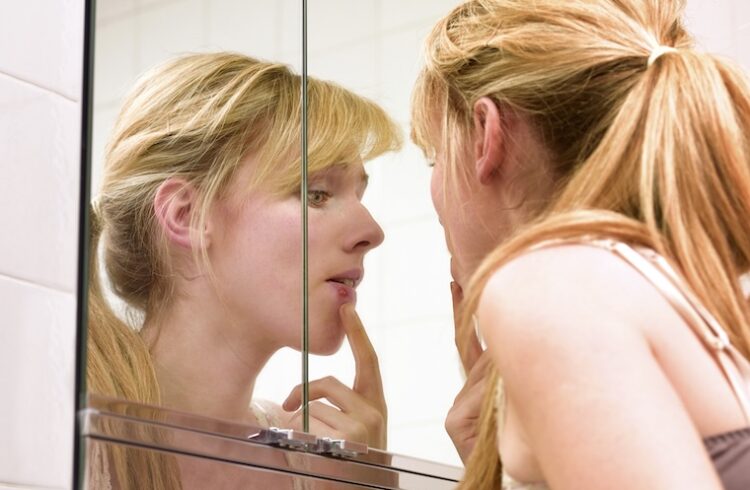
(354,171)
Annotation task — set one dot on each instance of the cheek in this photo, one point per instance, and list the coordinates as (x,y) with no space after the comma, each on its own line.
(436,191)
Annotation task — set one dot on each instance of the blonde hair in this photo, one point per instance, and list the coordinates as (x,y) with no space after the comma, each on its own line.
(653,155)
(196,117)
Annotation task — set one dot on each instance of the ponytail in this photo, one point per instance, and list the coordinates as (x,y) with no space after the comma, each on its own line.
(653,153)
(676,160)
(119,365)
(118,362)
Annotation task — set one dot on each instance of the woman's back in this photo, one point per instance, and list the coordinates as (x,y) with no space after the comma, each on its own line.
(679,340)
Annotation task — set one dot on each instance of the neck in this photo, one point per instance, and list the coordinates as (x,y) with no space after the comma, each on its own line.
(202,364)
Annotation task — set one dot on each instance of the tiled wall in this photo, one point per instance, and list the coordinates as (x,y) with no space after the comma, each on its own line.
(41,48)
(134,35)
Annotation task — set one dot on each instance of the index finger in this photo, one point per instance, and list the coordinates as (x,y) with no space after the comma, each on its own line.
(367,380)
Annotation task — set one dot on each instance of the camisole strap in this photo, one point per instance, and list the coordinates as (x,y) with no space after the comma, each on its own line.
(657,270)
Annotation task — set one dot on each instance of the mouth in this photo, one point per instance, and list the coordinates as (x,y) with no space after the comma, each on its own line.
(346,282)
(350,278)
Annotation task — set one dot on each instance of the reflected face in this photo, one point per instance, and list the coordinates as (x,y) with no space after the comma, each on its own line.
(257,257)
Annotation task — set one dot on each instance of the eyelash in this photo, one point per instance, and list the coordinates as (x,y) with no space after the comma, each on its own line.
(315,192)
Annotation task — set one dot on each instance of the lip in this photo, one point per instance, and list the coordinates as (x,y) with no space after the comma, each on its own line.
(353,275)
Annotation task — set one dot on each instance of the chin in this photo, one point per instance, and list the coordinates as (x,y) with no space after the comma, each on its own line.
(326,343)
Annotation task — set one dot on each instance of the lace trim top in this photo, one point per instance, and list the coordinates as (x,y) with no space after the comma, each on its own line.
(730,452)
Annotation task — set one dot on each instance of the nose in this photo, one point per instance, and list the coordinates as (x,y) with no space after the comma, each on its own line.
(366,233)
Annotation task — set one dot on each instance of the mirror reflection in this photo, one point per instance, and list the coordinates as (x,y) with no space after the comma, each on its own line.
(136,40)
(374,48)
(196,232)
(172,176)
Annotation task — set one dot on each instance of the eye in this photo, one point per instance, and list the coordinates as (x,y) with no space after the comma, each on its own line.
(317,198)
(430,163)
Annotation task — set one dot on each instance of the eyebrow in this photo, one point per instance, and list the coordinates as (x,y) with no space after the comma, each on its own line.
(364,177)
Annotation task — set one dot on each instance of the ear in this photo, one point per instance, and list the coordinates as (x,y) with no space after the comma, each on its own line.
(488,139)
(174,204)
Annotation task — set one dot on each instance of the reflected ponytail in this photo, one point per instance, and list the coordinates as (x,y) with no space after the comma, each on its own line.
(118,362)
(119,365)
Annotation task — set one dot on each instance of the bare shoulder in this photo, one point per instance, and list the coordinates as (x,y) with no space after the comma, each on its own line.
(568,329)
(569,296)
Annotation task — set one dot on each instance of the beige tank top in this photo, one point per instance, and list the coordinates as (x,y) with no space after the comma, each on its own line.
(729,452)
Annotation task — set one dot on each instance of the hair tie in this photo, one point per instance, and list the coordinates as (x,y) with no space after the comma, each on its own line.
(658,51)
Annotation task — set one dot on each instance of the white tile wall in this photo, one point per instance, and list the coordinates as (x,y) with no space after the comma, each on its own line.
(713,24)
(11,486)
(109,10)
(416,273)
(353,65)
(426,440)
(115,59)
(37,376)
(252,26)
(41,53)
(289,33)
(400,55)
(421,373)
(40,42)
(39,135)
(337,23)
(397,14)
(169,28)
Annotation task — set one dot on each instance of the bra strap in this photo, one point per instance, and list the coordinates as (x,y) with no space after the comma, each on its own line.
(662,275)
(657,270)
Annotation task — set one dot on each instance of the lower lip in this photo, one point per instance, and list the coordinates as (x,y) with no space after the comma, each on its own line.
(345,293)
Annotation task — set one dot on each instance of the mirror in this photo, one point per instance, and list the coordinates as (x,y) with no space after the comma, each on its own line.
(372,47)
(132,37)
(369,49)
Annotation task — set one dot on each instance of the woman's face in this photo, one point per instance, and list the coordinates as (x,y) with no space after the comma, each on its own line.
(490,192)
(454,204)
(464,212)
(257,257)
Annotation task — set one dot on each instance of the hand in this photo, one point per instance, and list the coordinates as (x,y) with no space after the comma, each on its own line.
(462,421)
(359,413)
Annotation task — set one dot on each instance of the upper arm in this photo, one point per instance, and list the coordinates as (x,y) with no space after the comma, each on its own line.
(562,326)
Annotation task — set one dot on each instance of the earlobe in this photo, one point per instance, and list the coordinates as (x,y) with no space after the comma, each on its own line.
(488,139)
(174,203)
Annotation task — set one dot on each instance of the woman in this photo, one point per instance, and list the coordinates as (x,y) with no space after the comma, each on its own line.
(200,216)
(602,169)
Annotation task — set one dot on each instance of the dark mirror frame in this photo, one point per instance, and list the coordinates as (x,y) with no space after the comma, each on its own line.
(87,98)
